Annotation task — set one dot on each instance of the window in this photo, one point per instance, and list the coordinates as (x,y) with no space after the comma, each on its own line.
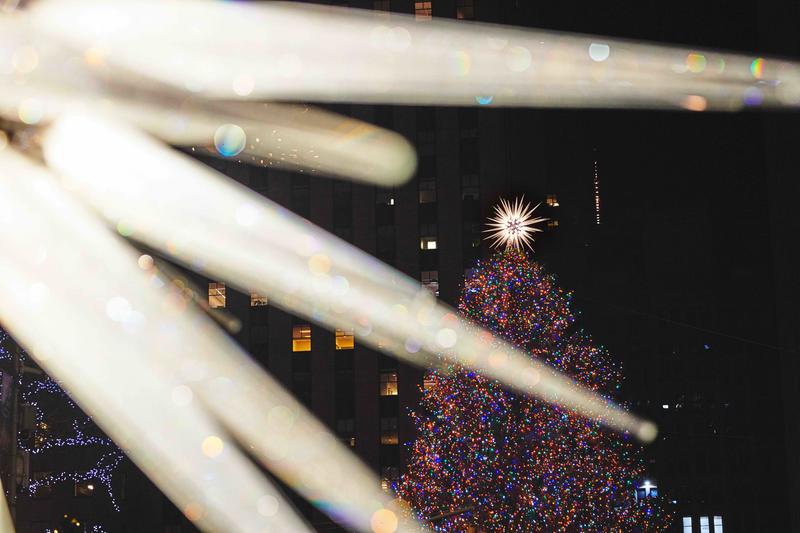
(552,201)
(428,382)
(346,430)
(704,525)
(216,295)
(717,524)
(552,224)
(427,191)
(423,10)
(258,300)
(430,280)
(687,524)
(344,339)
(389,383)
(84,489)
(470,187)
(385,197)
(427,243)
(426,145)
(390,475)
(301,338)
(389,430)
(380,5)
(465,9)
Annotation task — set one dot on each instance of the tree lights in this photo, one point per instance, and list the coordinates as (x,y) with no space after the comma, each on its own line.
(495,460)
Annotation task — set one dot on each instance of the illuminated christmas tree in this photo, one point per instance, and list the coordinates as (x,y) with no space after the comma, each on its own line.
(486,459)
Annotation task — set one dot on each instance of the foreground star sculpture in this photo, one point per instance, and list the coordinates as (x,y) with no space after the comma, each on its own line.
(93,92)
(513,225)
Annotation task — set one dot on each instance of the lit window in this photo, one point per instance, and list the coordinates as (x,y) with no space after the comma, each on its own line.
(704,525)
(465,9)
(687,524)
(427,191)
(427,243)
(390,475)
(717,524)
(389,430)
(423,10)
(552,223)
(257,300)
(301,338)
(84,489)
(216,295)
(389,383)
(344,339)
(430,280)
(552,201)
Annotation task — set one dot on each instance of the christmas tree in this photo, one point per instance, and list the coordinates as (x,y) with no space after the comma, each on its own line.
(486,459)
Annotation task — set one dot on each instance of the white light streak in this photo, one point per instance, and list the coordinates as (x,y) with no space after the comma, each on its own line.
(300,51)
(5,516)
(283,136)
(513,224)
(112,371)
(125,374)
(279,255)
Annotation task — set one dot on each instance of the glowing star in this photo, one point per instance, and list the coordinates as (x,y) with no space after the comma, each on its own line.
(513,224)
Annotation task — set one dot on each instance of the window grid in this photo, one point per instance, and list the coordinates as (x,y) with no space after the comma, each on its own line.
(216,295)
(427,191)
(345,339)
(389,430)
(258,300)
(388,383)
(430,280)
(423,10)
(301,338)
(465,9)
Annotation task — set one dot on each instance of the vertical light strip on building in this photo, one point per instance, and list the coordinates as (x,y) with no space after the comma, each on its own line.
(596,194)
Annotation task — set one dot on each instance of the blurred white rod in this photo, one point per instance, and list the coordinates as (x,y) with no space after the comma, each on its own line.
(233,234)
(74,299)
(6,525)
(285,51)
(61,79)
(186,349)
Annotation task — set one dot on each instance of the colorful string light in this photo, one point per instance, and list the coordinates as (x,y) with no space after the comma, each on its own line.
(495,460)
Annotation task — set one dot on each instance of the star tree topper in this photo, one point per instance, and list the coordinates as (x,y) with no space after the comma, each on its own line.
(512,225)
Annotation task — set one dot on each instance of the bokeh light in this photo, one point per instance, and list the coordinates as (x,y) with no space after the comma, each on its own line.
(230,140)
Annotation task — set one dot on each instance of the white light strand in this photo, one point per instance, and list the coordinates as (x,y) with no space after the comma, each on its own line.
(286,51)
(59,287)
